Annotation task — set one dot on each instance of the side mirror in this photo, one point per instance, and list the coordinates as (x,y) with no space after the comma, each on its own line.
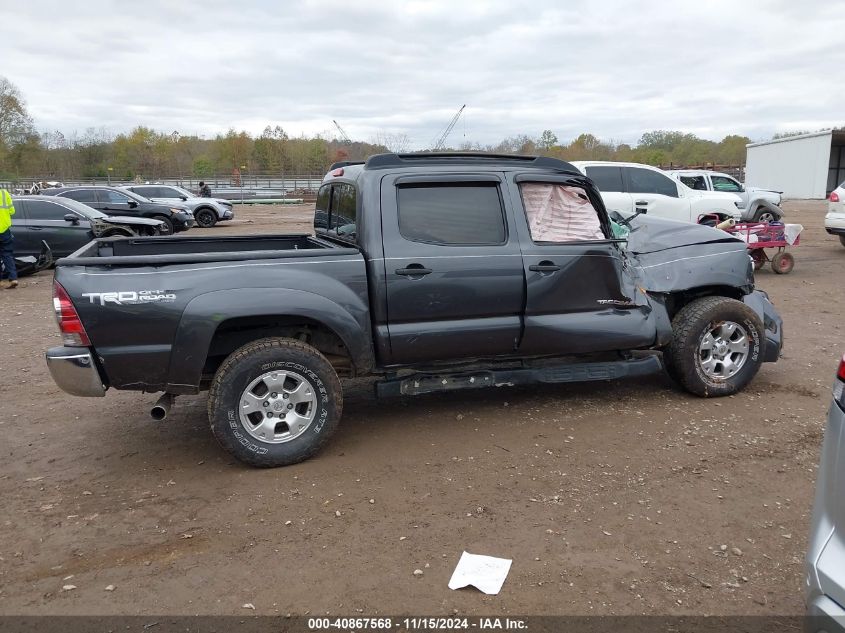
(70,217)
(132,204)
(183,198)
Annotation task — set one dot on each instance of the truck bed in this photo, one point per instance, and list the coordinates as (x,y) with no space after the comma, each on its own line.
(156,251)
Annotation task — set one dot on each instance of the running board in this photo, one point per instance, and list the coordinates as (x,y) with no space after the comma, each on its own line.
(576,372)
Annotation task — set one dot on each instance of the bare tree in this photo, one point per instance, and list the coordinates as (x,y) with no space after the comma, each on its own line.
(393,141)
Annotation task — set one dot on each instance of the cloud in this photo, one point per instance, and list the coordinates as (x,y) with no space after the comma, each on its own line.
(615,68)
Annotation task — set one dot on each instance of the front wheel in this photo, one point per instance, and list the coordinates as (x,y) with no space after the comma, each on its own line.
(716,346)
(167,227)
(274,402)
(205,218)
(765,215)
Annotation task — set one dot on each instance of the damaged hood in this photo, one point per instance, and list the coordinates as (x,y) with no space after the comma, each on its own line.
(678,256)
(651,235)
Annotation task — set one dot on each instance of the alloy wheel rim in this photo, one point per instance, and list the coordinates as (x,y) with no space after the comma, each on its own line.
(277,407)
(723,350)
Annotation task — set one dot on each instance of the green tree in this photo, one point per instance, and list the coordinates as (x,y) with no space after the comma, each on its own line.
(16,125)
(547,140)
(202,167)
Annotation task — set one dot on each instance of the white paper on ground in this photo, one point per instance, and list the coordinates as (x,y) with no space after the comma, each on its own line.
(486,573)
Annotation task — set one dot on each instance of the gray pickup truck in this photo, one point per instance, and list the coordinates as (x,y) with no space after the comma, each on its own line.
(433,272)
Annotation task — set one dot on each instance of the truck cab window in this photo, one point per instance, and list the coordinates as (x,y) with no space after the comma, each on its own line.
(694,182)
(342,220)
(451,214)
(723,183)
(559,213)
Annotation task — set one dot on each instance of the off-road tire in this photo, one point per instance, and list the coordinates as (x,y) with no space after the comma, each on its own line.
(689,327)
(246,364)
(206,218)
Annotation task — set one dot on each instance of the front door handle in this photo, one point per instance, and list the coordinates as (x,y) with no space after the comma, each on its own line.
(413,270)
(641,203)
(544,267)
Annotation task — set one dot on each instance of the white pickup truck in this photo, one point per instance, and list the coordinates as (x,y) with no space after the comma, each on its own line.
(759,205)
(631,187)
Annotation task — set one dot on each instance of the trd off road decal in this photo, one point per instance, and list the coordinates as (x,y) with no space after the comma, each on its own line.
(131,297)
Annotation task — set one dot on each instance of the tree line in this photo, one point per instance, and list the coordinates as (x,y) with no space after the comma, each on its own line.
(143,152)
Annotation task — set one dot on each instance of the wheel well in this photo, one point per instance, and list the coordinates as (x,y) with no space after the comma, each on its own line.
(677,300)
(205,208)
(234,333)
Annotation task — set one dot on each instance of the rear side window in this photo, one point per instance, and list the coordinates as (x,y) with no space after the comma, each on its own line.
(321,213)
(342,217)
(648,181)
(88,196)
(606,178)
(470,214)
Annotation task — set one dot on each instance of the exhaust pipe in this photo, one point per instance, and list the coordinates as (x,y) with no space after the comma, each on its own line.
(162,407)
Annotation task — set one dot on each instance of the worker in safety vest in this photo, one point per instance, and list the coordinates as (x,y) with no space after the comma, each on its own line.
(9,275)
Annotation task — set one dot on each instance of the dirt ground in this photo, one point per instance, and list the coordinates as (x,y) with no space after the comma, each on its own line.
(611,498)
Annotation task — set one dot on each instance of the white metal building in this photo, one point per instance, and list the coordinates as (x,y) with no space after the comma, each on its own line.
(804,166)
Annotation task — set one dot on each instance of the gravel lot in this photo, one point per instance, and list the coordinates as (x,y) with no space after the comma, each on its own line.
(611,498)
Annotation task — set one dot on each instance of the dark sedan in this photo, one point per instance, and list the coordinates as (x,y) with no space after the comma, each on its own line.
(67,225)
(113,201)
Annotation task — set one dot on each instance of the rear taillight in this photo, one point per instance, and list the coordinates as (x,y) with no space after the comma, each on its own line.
(839,384)
(70,325)
(834,197)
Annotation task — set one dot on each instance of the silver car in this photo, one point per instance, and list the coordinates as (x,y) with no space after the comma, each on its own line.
(207,211)
(826,550)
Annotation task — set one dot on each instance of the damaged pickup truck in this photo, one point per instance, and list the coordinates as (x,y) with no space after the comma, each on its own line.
(433,272)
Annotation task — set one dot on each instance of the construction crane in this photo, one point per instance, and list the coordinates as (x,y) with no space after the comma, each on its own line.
(343,136)
(438,145)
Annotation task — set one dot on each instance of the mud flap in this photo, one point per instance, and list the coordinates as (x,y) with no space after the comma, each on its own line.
(772,323)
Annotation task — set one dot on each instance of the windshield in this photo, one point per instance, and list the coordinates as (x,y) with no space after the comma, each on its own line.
(82,209)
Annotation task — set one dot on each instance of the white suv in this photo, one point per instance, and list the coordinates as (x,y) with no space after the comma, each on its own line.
(834,221)
(628,187)
(760,205)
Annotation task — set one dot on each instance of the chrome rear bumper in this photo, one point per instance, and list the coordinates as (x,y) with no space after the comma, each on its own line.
(73,369)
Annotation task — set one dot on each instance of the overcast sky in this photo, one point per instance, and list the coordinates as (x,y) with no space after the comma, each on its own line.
(614,68)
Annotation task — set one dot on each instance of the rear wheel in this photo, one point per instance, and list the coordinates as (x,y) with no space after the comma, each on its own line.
(783,263)
(167,228)
(206,218)
(274,402)
(716,346)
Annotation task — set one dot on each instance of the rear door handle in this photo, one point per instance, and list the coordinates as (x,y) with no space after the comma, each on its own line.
(413,270)
(641,203)
(544,267)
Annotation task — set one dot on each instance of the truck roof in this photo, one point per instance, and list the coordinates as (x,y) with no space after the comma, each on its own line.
(427,159)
